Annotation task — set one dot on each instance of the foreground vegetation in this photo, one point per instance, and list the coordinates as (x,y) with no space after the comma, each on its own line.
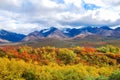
(50,63)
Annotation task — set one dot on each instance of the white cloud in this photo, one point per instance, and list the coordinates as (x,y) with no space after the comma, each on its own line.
(104,14)
(96,2)
(10,5)
(10,2)
(24,16)
(112,2)
(76,3)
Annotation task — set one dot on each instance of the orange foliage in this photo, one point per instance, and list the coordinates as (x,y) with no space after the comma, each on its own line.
(90,50)
(44,55)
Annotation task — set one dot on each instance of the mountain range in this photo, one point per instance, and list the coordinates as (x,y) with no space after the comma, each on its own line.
(66,33)
(73,33)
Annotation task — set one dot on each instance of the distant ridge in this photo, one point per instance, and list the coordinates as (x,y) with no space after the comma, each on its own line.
(72,33)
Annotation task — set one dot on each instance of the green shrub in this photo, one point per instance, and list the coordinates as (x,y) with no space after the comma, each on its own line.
(115,76)
(102,78)
(109,49)
(66,55)
(2,53)
(28,75)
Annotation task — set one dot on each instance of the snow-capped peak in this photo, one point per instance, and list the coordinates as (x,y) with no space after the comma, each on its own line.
(46,30)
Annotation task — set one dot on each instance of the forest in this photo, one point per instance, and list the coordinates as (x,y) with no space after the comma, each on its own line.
(51,63)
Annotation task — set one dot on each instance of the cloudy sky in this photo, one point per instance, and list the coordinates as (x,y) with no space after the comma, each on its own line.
(24,16)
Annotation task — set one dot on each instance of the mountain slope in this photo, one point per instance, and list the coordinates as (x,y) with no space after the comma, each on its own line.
(71,33)
(10,36)
(33,36)
(45,33)
(55,33)
(116,32)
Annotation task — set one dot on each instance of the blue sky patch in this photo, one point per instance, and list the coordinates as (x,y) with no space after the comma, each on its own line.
(90,6)
(58,1)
